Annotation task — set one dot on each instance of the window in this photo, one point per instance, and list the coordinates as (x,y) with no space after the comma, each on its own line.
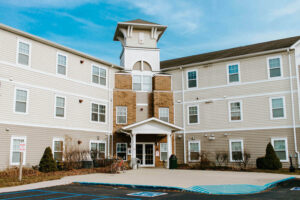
(277,107)
(142,83)
(23,53)
(60,106)
(121,114)
(99,76)
(233,73)
(122,150)
(235,111)
(236,150)
(192,79)
(194,151)
(164,114)
(280,148)
(274,64)
(58,147)
(163,151)
(61,64)
(98,112)
(21,104)
(193,114)
(97,149)
(15,152)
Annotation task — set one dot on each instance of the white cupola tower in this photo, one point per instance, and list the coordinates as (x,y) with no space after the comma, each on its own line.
(139,40)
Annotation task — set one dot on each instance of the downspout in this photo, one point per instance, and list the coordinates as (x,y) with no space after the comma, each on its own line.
(110,98)
(183,115)
(293,106)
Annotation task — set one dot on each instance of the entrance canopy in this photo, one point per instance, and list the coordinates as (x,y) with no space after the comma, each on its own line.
(151,126)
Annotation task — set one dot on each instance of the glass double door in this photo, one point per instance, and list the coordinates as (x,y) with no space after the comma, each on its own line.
(145,152)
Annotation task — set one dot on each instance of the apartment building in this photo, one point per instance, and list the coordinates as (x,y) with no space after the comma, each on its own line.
(235,100)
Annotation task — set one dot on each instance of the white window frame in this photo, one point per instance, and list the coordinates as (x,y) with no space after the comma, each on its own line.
(27,101)
(187,79)
(62,54)
(106,75)
(286,148)
(239,73)
(11,149)
(189,150)
(122,152)
(53,145)
(122,115)
(29,56)
(268,66)
(163,151)
(230,149)
(91,111)
(241,110)
(159,112)
(98,142)
(65,108)
(271,108)
(188,114)
(142,74)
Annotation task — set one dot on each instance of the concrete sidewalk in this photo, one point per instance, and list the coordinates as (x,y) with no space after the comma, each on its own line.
(163,177)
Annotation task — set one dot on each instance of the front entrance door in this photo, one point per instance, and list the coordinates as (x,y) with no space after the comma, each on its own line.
(145,152)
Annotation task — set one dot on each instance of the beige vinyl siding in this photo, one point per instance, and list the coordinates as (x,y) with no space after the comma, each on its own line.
(255,142)
(8,46)
(134,39)
(40,138)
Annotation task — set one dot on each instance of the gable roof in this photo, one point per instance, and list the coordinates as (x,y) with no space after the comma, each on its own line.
(227,53)
(140,21)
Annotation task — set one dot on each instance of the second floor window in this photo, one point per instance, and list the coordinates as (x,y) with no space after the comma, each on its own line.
(164,114)
(98,112)
(21,101)
(193,114)
(61,64)
(277,108)
(60,107)
(142,83)
(99,76)
(235,111)
(23,53)
(274,67)
(233,73)
(192,79)
(121,114)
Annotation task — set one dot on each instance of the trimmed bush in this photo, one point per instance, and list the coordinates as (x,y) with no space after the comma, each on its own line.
(270,161)
(47,163)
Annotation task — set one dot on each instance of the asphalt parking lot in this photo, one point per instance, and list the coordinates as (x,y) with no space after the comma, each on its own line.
(89,192)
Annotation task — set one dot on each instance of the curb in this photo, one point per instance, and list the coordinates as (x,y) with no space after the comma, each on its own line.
(198,188)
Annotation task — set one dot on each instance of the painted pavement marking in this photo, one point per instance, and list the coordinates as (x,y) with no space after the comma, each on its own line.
(147,194)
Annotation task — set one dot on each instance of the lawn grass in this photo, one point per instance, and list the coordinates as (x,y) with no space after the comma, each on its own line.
(9,177)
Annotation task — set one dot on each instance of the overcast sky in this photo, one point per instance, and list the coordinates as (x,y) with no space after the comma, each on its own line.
(194,26)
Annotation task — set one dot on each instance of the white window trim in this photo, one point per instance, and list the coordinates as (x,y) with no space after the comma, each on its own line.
(11,149)
(29,56)
(106,112)
(65,108)
(230,149)
(286,148)
(189,151)
(227,71)
(117,114)
(271,108)
(188,114)
(187,79)
(142,74)
(241,110)
(268,67)
(62,54)
(106,75)
(98,142)
(162,151)
(27,101)
(58,139)
(125,150)
(168,113)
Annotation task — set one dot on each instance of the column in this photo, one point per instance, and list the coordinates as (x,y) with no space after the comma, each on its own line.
(169,143)
(133,151)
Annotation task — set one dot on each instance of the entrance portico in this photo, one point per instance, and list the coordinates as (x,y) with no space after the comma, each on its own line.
(144,150)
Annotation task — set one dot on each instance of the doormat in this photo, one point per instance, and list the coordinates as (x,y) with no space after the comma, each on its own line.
(147,194)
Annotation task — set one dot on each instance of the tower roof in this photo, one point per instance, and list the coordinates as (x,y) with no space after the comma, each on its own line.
(140,21)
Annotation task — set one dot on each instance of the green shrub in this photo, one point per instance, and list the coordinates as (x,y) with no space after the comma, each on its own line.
(47,163)
(270,161)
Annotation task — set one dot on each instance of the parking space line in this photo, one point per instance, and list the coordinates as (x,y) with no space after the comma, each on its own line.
(35,195)
(17,192)
(65,197)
